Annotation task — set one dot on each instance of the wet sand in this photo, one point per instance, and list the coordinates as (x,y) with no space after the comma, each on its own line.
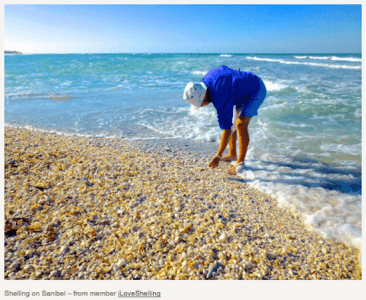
(96,208)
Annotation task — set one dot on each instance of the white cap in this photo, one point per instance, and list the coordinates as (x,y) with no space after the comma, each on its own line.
(194,94)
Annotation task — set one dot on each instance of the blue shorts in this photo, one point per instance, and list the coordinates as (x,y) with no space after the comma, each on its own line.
(250,105)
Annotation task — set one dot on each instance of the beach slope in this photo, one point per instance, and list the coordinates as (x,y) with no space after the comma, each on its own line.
(95,208)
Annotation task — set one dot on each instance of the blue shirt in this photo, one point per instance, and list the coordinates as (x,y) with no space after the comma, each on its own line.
(227,88)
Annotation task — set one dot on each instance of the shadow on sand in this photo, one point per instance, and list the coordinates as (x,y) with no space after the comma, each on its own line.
(296,176)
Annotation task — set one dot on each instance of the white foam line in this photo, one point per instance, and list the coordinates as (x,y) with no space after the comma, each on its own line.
(150,138)
(295,124)
(319,57)
(29,127)
(199,73)
(303,63)
(353,59)
(342,230)
(154,129)
(274,86)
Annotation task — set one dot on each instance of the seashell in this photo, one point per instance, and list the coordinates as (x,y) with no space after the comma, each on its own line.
(121,263)
(222,237)
(210,270)
(193,264)
(28,267)
(247,266)
(222,255)
(115,225)
(81,268)
(38,273)
(283,251)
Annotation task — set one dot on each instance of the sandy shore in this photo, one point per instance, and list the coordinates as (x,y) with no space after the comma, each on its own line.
(89,208)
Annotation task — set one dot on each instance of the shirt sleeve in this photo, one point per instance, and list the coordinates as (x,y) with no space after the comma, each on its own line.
(225,117)
(219,82)
(224,102)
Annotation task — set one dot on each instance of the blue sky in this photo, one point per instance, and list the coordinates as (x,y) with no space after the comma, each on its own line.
(183,28)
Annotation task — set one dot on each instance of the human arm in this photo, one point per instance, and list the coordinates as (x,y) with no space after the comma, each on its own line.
(225,125)
(225,137)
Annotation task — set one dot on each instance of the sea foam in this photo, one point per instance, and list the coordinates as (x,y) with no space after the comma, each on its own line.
(300,190)
(304,63)
(200,73)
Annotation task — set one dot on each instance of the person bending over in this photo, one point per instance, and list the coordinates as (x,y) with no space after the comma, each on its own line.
(226,88)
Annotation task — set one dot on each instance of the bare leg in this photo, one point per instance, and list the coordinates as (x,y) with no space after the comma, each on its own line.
(242,128)
(232,146)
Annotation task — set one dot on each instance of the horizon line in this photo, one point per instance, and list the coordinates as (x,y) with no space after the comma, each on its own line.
(231,53)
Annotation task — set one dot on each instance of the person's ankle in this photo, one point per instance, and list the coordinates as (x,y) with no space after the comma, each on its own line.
(240,166)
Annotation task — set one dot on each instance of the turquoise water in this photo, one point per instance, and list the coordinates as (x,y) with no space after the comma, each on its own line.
(305,143)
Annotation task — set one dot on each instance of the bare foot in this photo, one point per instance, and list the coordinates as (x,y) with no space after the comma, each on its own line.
(231,171)
(214,162)
(228,158)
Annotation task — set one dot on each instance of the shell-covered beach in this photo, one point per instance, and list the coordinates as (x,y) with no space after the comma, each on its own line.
(97,208)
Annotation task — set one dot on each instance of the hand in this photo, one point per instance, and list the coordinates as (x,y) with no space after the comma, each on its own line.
(214,162)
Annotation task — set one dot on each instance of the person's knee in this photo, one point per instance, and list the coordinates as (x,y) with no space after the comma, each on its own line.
(242,123)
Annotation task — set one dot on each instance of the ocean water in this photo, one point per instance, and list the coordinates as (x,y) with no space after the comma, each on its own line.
(305,146)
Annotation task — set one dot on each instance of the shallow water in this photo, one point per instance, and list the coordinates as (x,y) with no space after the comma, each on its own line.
(305,143)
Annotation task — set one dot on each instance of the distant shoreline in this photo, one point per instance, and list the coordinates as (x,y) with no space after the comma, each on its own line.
(12,52)
(228,53)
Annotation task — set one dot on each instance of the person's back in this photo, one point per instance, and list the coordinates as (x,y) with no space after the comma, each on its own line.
(245,84)
(232,82)
(227,88)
